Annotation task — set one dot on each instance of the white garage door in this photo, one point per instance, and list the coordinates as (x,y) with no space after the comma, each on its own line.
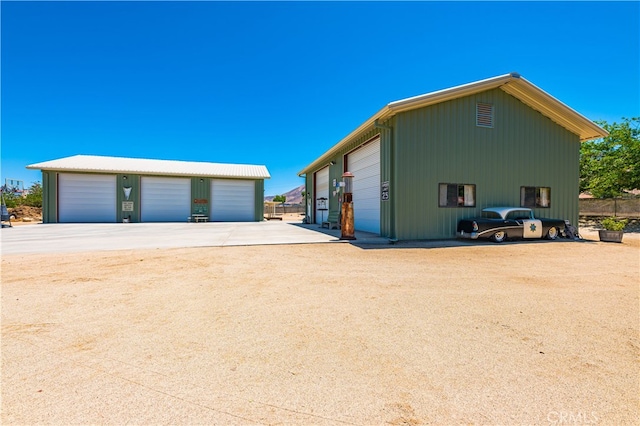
(322,191)
(165,199)
(86,198)
(364,163)
(233,200)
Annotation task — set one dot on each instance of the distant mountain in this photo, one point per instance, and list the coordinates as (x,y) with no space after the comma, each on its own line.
(293,197)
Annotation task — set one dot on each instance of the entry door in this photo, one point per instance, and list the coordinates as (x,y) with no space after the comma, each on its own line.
(532,228)
(165,199)
(322,191)
(84,198)
(364,163)
(233,200)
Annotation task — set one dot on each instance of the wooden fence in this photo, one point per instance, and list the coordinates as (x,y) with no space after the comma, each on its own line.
(620,207)
(280,209)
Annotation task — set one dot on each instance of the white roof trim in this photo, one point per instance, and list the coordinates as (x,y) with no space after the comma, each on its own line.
(100,164)
(450,93)
(512,83)
(557,111)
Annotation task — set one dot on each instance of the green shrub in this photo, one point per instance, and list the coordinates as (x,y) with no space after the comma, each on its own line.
(11,200)
(34,197)
(613,224)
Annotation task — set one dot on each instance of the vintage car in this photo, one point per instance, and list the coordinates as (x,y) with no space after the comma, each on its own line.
(500,223)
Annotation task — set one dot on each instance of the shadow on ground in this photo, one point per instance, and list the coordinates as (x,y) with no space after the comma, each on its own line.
(370,241)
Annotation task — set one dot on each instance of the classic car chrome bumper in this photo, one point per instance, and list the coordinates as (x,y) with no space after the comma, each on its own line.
(469,235)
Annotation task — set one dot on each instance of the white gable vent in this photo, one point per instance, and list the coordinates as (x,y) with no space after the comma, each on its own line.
(484,115)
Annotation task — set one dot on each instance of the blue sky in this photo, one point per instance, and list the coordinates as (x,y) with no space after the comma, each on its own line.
(278,83)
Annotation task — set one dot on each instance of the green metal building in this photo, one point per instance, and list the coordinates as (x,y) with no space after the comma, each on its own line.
(421,164)
(86,188)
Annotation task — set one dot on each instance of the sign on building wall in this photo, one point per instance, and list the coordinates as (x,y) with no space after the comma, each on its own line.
(384,191)
(127,206)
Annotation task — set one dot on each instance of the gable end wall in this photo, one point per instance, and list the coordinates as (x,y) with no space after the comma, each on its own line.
(442,144)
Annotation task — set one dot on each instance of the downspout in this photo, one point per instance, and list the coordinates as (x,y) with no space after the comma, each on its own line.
(392,184)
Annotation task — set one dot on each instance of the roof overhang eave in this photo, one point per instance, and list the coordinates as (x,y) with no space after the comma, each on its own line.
(558,112)
(451,93)
(144,173)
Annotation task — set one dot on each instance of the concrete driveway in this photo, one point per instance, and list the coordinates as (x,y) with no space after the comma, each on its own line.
(58,238)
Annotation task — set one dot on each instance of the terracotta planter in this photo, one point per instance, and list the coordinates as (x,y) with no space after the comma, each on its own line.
(611,236)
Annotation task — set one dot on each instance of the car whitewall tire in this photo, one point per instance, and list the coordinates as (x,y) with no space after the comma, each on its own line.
(552,233)
(499,236)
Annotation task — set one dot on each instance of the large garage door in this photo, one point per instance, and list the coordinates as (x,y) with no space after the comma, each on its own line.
(233,200)
(322,191)
(165,199)
(364,163)
(86,198)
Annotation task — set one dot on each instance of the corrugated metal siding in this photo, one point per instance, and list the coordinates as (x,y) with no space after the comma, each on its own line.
(513,84)
(442,144)
(259,210)
(133,182)
(309,195)
(49,197)
(336,170)
(200,190)
(387,156)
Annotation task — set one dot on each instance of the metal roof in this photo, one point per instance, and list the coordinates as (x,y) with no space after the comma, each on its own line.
(512,83)
(101,164)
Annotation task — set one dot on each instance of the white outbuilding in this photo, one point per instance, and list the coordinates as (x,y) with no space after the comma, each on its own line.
(87,188)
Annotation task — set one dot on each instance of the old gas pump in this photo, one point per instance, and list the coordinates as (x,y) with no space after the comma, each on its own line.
(346,217)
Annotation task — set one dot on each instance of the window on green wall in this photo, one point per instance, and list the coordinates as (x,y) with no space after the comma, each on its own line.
(535,196)
(456,195)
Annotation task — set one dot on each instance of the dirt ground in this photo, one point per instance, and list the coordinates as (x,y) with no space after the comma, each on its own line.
(26,214)
(522,333)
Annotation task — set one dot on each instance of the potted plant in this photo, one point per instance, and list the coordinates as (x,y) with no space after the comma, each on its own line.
(613,229)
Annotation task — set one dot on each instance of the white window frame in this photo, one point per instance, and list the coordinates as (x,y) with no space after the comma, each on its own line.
(542,199)
(466,195)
